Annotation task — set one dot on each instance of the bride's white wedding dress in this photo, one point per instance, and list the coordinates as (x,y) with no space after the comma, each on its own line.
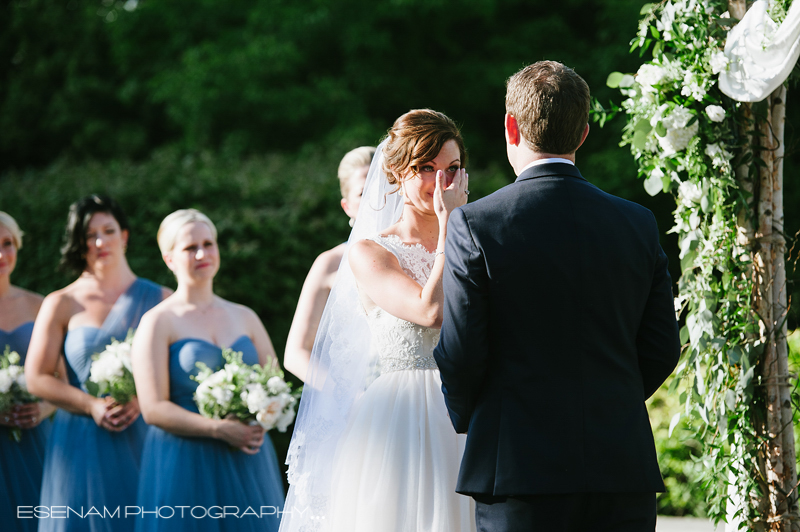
(396,464)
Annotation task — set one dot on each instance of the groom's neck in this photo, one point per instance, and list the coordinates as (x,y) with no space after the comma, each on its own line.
(523,156)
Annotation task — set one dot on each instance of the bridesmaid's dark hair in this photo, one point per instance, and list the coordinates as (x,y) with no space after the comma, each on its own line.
(73,251)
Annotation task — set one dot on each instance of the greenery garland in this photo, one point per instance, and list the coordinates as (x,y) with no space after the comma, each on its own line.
(685,136)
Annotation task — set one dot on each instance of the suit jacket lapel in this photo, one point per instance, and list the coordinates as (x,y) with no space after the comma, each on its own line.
(550,169)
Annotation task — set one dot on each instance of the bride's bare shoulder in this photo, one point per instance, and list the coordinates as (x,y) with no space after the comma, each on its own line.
(368,254)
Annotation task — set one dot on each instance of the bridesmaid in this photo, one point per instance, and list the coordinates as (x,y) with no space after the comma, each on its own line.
(319,281)
(94,450)
(20,463)
(190,460)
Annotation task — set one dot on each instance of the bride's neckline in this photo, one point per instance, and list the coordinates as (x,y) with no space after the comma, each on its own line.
(397,240)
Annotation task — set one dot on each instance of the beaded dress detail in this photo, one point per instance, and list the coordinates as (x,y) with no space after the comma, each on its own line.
(397,462)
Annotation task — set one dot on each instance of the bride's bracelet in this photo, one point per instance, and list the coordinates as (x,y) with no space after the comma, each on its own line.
(437,254)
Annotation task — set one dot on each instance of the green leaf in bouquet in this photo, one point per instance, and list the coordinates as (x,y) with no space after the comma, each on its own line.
(93,388)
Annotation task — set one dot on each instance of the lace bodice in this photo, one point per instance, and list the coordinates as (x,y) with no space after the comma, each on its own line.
(403,345)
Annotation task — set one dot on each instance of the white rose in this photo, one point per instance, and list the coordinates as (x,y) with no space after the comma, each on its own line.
(649,75)
(269,415)
(15,371)
(678,134)
(106,368)
(677,139)
(120,349)
(715,113)
(690,194)
(276,385)
(257,398)
(285,420)
(5,381)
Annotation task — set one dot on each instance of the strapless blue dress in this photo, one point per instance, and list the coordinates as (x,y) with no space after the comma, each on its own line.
(20,463)
(89,470)
(206,476)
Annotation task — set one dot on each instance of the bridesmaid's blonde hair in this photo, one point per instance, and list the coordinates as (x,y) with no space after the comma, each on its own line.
(7,221)
(168,230)
(353,161)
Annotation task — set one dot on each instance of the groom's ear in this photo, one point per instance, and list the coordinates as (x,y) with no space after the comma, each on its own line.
(512,130)
(583,137)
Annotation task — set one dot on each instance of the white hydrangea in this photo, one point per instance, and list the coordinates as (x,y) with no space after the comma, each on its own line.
(276,385)
(256,398)
(715,113)
(664,24)
(120,349)
(203,391)
(693,86)
(720,157)
(107,367)
(222,396)
(650,74)
(15,371)
(690,194)
(678,134)
(5,381)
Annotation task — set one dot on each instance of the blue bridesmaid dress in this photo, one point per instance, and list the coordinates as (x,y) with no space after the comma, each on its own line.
(205,476)
(20,463)
(91,474)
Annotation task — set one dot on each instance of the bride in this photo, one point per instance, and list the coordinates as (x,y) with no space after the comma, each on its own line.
(373,448)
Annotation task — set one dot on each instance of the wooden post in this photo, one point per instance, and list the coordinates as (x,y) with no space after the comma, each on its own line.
(777,104)
(762,227)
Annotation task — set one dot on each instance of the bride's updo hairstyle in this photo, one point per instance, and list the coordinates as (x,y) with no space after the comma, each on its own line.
(73,251)
(168,230)
(416,138)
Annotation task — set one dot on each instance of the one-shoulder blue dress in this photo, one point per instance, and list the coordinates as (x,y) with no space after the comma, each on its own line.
(93,472)
(205,476)
(20,463)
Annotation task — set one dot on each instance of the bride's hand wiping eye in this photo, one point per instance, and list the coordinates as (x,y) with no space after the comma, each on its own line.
(447,198)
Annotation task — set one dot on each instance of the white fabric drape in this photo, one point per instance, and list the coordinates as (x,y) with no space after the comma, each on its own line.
(761,54)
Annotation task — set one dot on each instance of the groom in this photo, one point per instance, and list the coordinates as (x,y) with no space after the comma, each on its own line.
(558,324)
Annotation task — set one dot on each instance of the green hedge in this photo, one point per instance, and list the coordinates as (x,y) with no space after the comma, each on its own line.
(274,213)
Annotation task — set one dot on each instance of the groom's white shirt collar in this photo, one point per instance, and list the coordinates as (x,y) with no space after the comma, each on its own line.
(537,162)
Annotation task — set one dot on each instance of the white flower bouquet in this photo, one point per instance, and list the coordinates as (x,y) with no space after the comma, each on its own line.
(13,390)
(252,393)
(111,372)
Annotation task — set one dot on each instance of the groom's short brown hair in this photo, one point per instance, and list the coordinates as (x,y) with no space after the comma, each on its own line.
(551,105)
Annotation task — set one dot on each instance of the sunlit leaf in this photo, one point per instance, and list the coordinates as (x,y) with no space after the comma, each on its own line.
(614,79)
(674,423)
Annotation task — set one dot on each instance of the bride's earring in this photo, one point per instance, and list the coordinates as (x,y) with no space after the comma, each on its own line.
(352,222)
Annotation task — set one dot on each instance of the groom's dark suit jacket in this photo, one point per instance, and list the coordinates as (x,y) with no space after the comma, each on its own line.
(558,324)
